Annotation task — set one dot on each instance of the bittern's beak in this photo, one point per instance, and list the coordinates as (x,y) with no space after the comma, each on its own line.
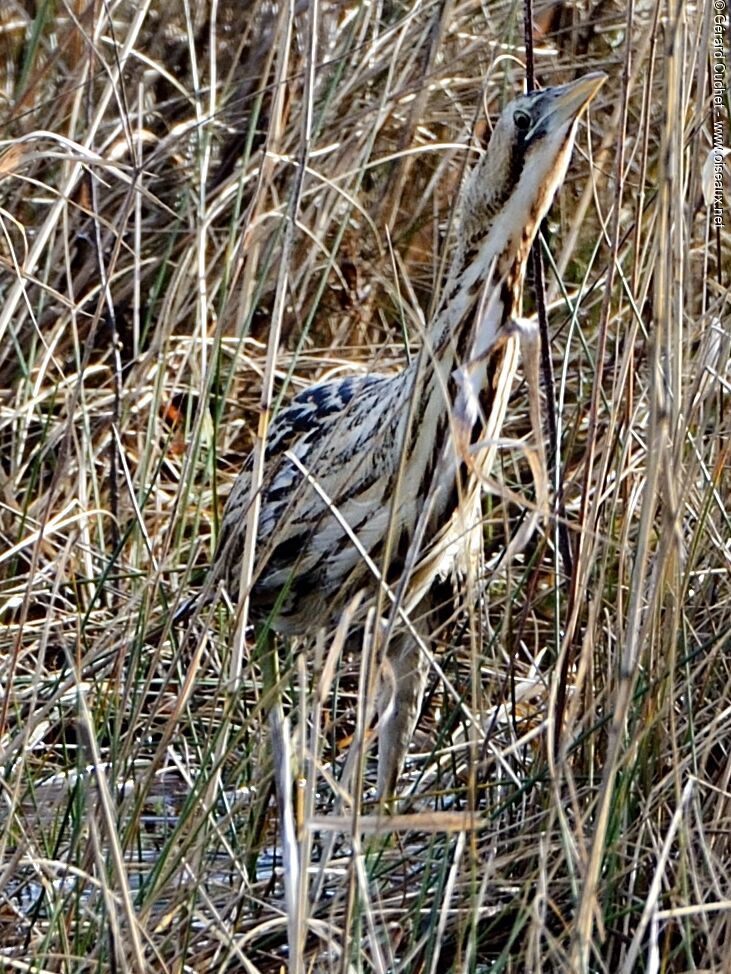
(569,101)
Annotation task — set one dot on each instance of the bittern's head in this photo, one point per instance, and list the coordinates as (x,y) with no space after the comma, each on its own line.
(525,162)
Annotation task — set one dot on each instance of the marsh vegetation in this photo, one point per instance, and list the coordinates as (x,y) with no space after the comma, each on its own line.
(202,201)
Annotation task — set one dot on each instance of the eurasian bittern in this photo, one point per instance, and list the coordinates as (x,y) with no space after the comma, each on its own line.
(374,478)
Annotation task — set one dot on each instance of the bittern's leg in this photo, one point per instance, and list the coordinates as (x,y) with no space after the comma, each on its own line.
(265,783)
(401,690)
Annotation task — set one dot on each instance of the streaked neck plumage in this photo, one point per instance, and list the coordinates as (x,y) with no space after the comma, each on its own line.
(504,201)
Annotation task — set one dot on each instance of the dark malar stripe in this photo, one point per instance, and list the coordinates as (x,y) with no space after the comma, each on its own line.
(487,396)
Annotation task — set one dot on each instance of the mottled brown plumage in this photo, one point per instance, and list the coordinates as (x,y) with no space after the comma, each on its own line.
(356,466)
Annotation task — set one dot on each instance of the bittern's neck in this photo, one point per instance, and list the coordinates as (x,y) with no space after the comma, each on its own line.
(484,288)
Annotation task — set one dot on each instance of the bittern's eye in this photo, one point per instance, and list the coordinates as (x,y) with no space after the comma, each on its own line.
(522,120)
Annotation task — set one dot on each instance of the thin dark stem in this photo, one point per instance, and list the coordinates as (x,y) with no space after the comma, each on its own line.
(554,457)
(539,280)
(530,70)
